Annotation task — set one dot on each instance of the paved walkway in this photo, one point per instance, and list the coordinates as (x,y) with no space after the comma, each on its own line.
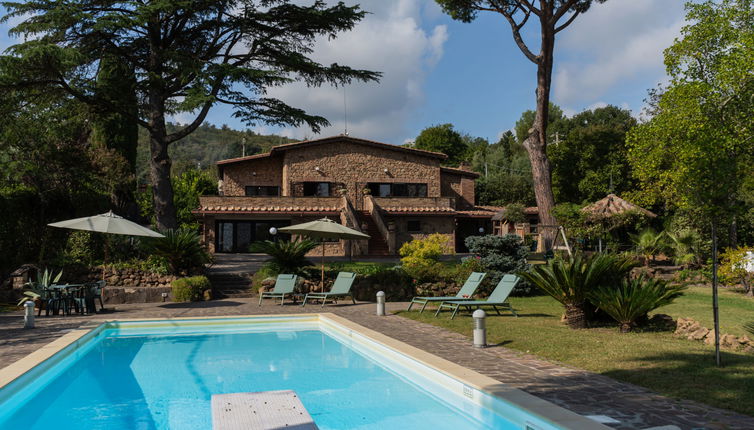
(580,391)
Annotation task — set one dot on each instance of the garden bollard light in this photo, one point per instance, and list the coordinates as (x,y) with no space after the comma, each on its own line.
(28,314)
(381,303)
(480,329)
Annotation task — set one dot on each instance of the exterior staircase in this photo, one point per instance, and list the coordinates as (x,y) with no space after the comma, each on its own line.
(229,285)
(377,243)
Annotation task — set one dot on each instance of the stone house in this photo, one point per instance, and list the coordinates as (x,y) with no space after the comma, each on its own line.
(392,193)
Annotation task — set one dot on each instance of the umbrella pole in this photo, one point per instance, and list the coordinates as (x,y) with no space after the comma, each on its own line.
(322,284)
(104,263)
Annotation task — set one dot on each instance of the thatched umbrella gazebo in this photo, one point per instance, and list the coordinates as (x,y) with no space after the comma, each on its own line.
(611,206)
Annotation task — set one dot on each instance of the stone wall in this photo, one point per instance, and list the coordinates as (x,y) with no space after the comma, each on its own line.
(429,225)
(693,330)
(460,187)
(355,165)
(125,285)
(259,171)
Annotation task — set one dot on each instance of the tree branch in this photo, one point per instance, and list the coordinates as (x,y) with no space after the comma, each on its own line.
(562,11)
(567,23)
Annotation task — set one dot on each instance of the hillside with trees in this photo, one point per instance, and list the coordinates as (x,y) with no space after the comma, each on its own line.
(205,146)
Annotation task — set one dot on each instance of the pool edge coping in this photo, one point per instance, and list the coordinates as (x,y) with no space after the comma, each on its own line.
(545,409)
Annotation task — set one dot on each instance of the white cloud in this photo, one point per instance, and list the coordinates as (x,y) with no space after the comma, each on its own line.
(613,43)
(390,40)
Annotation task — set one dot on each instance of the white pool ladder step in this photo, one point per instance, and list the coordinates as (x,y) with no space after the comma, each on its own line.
(265,410)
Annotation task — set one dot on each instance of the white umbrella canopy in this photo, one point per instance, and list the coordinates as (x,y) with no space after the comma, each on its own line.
(106,223)
(324,228)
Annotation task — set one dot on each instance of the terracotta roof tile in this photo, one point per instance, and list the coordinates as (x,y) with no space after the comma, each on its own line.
(266,209)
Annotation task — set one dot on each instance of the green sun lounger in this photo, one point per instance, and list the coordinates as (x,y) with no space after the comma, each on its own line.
(465,293)
(284,285)
(340,289)
(496,300)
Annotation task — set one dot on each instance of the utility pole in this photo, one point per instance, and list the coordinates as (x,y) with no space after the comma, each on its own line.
(243,147)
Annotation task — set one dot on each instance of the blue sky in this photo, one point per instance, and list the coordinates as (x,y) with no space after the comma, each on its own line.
(437,70)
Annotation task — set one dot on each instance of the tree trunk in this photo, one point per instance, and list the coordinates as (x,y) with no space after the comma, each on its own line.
(575,317)
(625,327)
(159,160)
(536,142)
(159,163)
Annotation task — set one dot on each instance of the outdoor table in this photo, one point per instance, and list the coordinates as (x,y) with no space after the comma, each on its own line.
(64,293)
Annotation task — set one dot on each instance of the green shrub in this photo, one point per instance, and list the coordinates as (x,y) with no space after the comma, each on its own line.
(190,289)
(734,263)
(260,275)
(420,257)
(181,250)
(571,280)
(498,255)
(633,299)
(287,256)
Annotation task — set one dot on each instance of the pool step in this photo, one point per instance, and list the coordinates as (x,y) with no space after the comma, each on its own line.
(230,284)
(265,410)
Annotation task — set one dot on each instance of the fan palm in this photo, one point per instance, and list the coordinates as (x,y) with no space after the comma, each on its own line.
(649,243)
(685,246)
(634,299)
(570,281)
(287,256)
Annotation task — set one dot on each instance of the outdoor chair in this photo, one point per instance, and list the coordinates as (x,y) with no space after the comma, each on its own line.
(465,293)
(284,286)
(496,300)
(78,297)
(340,290)
(95,291)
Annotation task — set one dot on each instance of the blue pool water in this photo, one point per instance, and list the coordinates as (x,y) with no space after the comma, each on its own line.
(160,381)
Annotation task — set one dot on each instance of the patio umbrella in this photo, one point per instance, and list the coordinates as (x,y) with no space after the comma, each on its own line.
(106,223)
(324,228)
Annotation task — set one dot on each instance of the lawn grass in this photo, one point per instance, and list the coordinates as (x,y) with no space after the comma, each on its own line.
(657,360)
(735,309)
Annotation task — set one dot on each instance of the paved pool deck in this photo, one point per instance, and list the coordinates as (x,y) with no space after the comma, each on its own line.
(580,391)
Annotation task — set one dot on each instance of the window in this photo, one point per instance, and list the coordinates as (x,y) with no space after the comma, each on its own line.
(318,189)
(413,226)
(262,191)
(398,189)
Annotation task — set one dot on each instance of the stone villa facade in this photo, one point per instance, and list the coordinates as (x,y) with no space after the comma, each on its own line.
(392,193)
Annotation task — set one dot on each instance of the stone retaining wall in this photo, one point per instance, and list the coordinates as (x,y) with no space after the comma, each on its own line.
(121,295)
(693,330)
(127,278)
(127,285)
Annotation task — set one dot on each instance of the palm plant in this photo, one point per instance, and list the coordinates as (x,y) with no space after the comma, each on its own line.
(634,298)
(570,281)
(35,289)
(287,256)
(649,243)
(684,245)
(180,249)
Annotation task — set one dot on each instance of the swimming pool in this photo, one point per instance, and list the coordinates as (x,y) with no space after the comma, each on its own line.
(162,374)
